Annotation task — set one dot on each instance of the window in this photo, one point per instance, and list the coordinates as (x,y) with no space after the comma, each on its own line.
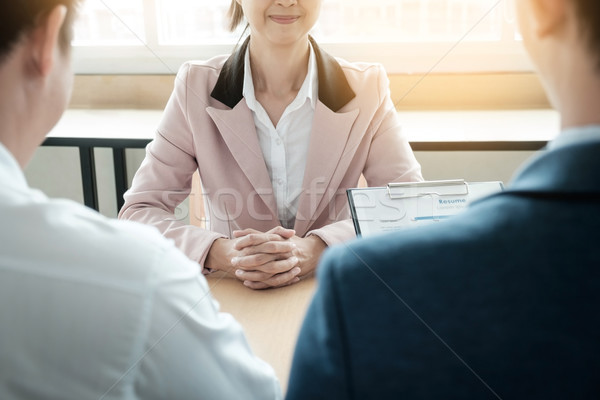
(105,23)
(204,22)
(142,36)
(409,20)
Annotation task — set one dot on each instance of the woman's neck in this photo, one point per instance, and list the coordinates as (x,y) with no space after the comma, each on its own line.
(279,70)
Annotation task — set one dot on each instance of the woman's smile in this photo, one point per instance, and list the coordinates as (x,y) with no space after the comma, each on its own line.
(284,19)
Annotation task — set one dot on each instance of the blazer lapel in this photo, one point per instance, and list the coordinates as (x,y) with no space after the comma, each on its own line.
(239,133)
(329,138)
(237,126)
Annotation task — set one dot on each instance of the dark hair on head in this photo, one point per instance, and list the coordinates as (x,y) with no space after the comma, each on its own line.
(588,12)
(236,15)
(17,17)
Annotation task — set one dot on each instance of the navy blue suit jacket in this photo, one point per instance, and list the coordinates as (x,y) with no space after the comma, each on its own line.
(501,301)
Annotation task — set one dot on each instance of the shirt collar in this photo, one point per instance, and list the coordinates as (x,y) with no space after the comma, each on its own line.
(11,168)
(309,89)
(578,135)
(333,87)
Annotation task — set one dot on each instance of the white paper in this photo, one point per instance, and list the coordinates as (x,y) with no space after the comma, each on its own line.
(375,211)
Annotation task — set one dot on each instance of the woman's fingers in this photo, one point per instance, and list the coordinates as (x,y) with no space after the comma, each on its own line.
(279,230)
(259,276)
(257,239)
(266,259)
(283,232)
(280,248)
(263,286)
(267,263)
(254,280)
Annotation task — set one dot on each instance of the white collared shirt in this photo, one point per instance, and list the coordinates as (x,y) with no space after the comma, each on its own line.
(94,308)
(285,147)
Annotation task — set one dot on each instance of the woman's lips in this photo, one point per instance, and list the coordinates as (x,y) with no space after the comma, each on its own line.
(283,19)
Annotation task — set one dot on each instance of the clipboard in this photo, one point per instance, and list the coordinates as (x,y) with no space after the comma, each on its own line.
(403,205)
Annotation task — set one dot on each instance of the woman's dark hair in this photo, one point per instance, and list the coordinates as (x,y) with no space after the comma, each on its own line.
(19,16)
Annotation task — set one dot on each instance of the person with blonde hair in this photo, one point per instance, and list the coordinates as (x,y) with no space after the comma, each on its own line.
(277,131)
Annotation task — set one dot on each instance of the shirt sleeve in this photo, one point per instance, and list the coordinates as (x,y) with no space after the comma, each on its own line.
(192,350)
(320,366)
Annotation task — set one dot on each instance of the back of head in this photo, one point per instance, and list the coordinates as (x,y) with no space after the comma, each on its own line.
(588,13)
(17,17)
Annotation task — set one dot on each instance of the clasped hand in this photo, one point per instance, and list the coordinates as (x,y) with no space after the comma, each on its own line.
(266,259)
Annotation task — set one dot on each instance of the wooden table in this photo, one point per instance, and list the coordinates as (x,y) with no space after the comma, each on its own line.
(271,318)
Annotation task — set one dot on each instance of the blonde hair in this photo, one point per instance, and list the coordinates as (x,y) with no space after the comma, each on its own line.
(235,14)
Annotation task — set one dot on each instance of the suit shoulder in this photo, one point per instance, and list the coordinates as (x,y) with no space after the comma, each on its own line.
(357,72)
(366,78)
(205,72)
(212,64)
(414,249)
(360,67)
(112,246)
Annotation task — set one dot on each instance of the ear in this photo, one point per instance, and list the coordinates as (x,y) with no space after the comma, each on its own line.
(548,16)
(45,39)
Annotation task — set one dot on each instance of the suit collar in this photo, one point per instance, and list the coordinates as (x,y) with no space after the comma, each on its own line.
(237,129)
(576,135)
(567,169)
(334,90)
(331,149)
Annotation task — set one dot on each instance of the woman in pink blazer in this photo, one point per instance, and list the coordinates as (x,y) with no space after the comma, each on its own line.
(277,131)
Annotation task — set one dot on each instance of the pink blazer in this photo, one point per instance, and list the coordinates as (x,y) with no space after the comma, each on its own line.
(208,127)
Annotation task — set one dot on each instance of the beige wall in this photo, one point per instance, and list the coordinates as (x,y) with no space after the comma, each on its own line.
(409,92)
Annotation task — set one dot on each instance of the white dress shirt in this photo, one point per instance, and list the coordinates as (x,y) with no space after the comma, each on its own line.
(93,308)
(285,146)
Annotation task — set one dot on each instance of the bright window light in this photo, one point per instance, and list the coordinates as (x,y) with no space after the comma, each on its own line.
(410,20)
(185,22)
(405,35)
(110,23)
